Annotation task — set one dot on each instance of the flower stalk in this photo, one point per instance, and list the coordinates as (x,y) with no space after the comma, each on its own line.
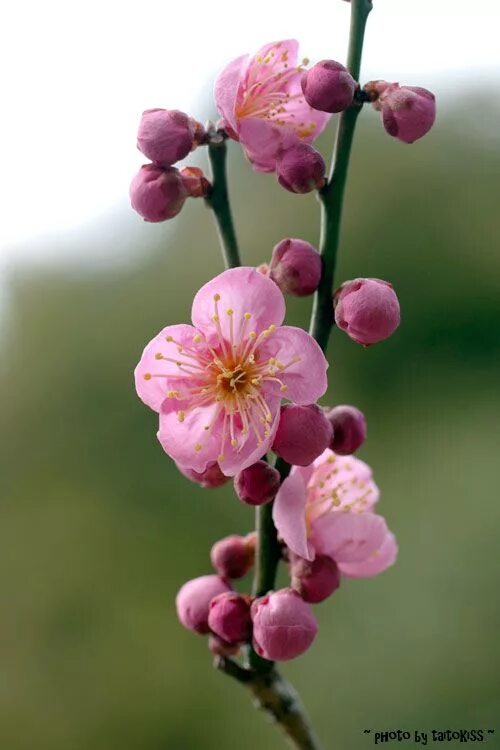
(218,201)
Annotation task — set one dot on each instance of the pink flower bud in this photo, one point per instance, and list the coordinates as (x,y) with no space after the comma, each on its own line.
(208,479)
(257,484)
(229,617)
(219,647)
(193,601)
(195,182)
(157,194)
(166,135)
(328,86)
(283,625)
(315,581)
(303,434)
(408,112)
(233,556)
(301,169)
(367,310)
(349,429)
(295,267)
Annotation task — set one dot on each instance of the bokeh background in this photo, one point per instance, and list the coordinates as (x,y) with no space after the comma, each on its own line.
(98,530)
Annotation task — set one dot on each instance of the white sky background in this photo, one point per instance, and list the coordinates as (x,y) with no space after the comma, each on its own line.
(76,74)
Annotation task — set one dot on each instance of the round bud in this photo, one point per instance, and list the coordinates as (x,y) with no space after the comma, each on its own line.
(233,556)
(193,600)
(303,434)
(157,194)
(208,479)
(349,429)
(283,625)
(408,112)
(219,647)
(229,617)
(295,267)
(166,135)
(367,310)
(328,86)
(314,580)
(301,169)
(257,484)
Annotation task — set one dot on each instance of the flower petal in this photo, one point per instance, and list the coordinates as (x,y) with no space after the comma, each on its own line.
(346,480)
(187,441)
(153,390)
(380,560)
(226,89)
(289,515)
(263,141)
(242,290)
(348,537)
(306,379)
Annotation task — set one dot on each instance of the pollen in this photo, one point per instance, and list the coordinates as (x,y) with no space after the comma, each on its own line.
(181,415)
(198,447)
(216,297)
(147,376)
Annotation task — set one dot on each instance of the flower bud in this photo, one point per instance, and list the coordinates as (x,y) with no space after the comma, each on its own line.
(349,429)
(167,135)
(295,267)
(219,647)
(233,556)
(367,310)
(229,617)
(408,112)
(303,434)
(314,580)
(193,600)
(283,625)
(257,484)
(328,86)
(195,182)
(301,169)
(157,194)
(208,479)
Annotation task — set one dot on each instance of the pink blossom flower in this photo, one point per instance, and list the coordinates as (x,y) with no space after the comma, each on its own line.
(262,104)
(327,509)
(218,384)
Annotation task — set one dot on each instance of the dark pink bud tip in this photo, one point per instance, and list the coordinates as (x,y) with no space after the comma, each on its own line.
(283,625)
(208,479)
(328,86)
(315,581)
(229,617)
(157,194)
(193,601)
(367,310)
(303,434)
(233,556)
(349,429)
(258,484)
(295,267)
(301,169)
(167,135)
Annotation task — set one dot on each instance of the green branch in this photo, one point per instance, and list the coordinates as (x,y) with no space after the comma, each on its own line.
(218,200)
(332,195)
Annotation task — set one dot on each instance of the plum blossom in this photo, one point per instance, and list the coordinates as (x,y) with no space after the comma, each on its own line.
(218,384)
(261,102)
(327,509)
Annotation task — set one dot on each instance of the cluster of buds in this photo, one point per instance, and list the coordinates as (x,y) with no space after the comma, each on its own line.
(159,190)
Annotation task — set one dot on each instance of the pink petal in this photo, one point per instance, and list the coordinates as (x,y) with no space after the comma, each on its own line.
(289,515)
(188,442)
(288,48)
(306,379)
(263,141)
(241,290)
(226,89)
(348,537)
(153,390)
(380,560)
(348,477)
(237,459)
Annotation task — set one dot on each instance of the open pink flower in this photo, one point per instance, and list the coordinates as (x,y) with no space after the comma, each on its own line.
(262,104)
(218,385)
(327,509)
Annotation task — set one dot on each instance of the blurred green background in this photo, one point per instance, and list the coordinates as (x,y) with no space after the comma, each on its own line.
(98,530)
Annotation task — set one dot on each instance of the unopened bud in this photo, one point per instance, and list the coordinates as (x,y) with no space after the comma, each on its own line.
(257,484)
(328,86)
(157,194)
(349,429)
(408,112)
(367,310)
(193,601)
(208,479)
(283,625)
(167,135)
(314,580)
(233,556)
(296,267)
(301,169)
(303,434)
(229,617)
